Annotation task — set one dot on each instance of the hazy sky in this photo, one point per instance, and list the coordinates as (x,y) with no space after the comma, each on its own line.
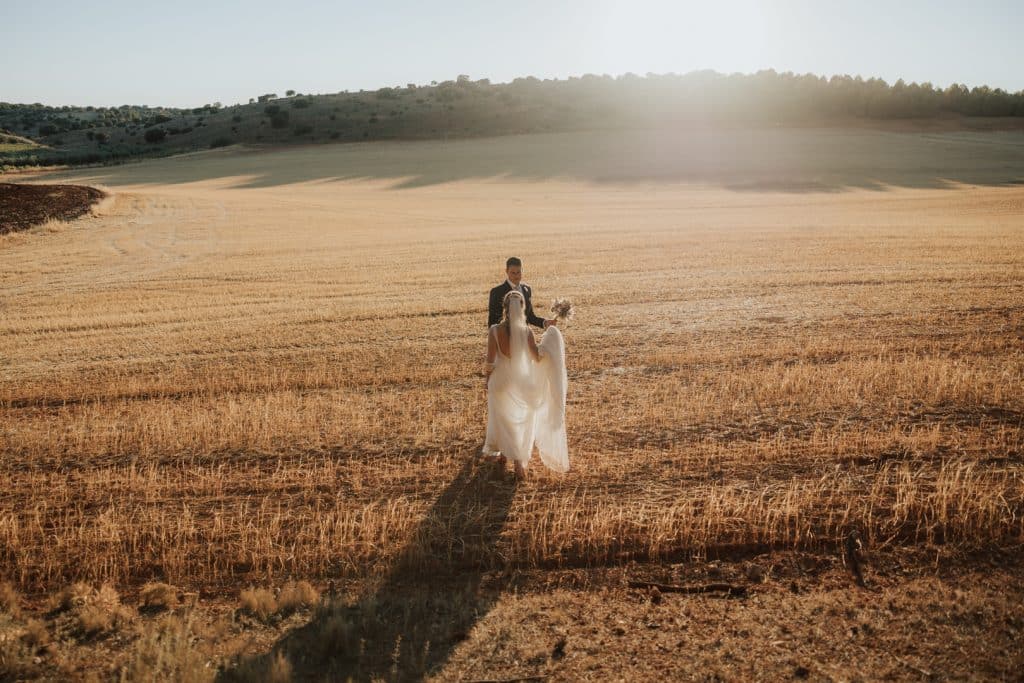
(189,52)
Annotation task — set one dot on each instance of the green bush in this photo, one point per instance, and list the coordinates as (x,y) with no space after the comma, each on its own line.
(279,119)
(301,103)
(220,142)
(303,130)
(154,135)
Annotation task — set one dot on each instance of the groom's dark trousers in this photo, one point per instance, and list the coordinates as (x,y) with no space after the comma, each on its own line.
(498,295)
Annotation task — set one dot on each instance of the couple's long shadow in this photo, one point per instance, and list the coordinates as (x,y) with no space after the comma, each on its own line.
(426,603)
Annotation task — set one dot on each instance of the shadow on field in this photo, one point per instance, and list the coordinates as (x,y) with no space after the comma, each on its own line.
(743,160)
(425,605)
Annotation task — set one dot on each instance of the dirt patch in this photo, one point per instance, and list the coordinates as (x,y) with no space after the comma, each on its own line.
(22,206)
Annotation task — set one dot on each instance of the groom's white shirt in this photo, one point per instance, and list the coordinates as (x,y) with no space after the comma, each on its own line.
(518,288)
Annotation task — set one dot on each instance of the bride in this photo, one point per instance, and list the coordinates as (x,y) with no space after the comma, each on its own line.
(525,391)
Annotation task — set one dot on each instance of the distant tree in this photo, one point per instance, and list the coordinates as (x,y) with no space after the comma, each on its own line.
(289,93)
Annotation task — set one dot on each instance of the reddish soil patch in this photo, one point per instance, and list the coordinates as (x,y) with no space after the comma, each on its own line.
(22,206)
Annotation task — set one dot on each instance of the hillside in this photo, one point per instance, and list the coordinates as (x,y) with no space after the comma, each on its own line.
(12,144)
(467,108)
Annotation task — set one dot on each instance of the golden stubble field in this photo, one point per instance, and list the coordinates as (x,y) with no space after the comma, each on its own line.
(245,379)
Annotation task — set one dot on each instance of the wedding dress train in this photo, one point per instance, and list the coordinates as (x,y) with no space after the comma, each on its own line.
(526,398)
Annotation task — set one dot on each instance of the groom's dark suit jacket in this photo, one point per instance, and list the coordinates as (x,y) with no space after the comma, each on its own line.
(498,294)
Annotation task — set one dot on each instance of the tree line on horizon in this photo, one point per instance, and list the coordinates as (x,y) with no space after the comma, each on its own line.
(467,108)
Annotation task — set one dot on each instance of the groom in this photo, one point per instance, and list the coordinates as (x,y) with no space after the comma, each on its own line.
(514,273)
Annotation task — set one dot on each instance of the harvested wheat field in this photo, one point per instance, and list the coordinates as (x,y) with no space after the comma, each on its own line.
(795,384)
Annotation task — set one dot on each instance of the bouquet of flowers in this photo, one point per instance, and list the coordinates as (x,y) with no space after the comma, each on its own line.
(562,310)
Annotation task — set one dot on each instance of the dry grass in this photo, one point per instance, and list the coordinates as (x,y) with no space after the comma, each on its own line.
(91,612)
(259,602)
(296,595)
(165,652)
(263,603)
(238,386)
(159,596)
(10,601)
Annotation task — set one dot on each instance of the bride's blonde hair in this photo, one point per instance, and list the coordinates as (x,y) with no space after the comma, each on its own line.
(504,305)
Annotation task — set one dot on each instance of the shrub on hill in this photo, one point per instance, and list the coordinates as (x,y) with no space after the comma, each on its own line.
(301,103)
(279,119)
(222,141)
(303,130)
(154,135)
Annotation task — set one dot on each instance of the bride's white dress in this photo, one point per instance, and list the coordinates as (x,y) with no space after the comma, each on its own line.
(526,398)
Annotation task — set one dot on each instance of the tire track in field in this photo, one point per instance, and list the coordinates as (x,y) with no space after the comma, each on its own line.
(138,237)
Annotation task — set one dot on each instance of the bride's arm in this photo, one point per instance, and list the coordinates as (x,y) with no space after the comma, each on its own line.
(492,350)
(534,351)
